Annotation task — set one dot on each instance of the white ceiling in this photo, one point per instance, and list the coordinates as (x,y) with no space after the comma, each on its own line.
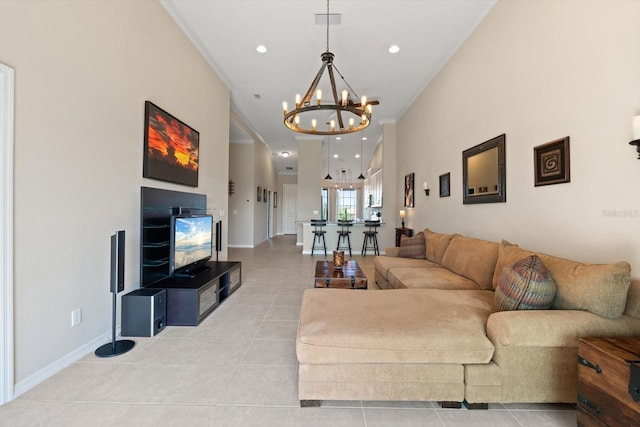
(227,33)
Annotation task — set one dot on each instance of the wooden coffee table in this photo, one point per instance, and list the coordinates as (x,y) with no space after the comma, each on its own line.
(350,276)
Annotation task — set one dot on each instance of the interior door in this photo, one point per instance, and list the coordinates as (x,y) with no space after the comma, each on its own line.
(290,213)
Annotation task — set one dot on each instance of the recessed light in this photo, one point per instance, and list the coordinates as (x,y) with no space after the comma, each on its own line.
(335,156)
(285,154)
(364,138)
(261,48)
(394,48)
(338,138)
(357,156)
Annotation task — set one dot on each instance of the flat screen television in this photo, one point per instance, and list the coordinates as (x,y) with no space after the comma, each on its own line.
(191,242)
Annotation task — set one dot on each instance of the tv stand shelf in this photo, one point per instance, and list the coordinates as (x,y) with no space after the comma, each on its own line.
(192,298)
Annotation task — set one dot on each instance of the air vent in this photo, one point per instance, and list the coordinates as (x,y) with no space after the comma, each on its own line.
(257,96)
(289,168)
(334,19)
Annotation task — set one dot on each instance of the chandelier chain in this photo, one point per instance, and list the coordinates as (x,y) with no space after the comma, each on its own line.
(327,25)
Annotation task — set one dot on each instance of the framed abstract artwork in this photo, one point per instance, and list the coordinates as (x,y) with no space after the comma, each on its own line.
(408,190)
(170,148)
(551,162)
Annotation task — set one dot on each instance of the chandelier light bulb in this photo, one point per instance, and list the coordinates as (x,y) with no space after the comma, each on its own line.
(345,97)
(319,96)
(313,124)
(351,121)
(333,125)
(363,101)
(285,107)
(296,120)
(297,100)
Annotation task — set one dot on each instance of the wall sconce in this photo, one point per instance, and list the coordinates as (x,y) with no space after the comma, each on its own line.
(635,124)
(425,187)
(402,215)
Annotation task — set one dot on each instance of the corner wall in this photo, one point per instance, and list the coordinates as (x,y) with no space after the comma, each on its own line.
(537,71)
(83,71)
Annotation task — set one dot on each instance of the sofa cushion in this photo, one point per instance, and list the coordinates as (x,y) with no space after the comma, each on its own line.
(412,247)
(436,245)
(525,285)
(472,258)
(428,278)
(632,307)
(598,288)
(384,263)
(340,326)
(508,253)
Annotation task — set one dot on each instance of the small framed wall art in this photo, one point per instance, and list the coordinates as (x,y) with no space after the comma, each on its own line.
(264,195)
(259,194)
(170,148)
(275,199)
(408,190)
(445,185)
(551,162)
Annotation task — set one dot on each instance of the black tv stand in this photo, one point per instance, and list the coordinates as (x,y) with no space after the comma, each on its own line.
(191,274)
(192,297)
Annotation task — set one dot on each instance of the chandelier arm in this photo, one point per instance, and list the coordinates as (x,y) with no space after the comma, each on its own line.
(307,97)
(347,83)
(335,95)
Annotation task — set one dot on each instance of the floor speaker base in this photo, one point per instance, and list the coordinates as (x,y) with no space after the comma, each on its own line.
(114,348)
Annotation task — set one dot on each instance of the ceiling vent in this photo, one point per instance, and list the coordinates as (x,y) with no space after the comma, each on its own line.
(289,168)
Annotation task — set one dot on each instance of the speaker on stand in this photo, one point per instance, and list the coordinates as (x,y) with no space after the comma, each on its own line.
(115,348)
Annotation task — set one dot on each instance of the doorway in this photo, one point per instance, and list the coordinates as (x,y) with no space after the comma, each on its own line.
(289,202)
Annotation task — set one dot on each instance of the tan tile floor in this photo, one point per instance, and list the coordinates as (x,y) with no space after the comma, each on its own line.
(237,368)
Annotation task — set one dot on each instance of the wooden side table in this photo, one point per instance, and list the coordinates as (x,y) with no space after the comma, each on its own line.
(400,231)
(608,381)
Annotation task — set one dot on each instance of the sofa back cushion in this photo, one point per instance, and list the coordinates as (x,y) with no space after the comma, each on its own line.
(632,307)
(508,253)
(472,258)
(436,245)
(412,247)
(598,288)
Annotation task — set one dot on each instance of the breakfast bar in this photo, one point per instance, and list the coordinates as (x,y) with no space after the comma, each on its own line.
(331,236)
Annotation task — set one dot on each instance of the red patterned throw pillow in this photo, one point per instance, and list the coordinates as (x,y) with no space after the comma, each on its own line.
(525,285)
(412,247)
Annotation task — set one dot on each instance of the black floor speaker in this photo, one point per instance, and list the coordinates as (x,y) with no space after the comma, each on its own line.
(144,312)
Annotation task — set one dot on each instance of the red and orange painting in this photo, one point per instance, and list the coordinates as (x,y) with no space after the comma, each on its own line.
(170,148)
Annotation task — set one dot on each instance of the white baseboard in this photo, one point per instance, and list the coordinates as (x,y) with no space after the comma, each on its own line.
(55,367)
(241,246)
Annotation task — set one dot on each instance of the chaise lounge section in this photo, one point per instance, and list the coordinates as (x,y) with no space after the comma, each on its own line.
(435,332)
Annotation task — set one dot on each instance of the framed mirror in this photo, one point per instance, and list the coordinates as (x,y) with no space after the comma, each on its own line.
(484,175)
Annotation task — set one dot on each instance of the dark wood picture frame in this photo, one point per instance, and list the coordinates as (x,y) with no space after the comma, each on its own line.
(264,195)
(275,199)
(496,193)
(552,162)
(171,148)
(259,194)
(409,183)
(445,185)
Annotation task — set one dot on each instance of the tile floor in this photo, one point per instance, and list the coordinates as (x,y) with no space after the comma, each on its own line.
(237,368)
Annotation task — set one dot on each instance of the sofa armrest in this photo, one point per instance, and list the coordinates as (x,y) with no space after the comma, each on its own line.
(554,328)
(392,251)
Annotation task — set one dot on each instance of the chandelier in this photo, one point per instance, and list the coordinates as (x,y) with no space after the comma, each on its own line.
(304,117)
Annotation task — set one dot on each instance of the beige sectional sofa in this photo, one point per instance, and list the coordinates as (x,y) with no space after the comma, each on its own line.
(433,332)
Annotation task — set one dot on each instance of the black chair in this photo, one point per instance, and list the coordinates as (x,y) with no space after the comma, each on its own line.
(370,237)
(344,235)
(318,234)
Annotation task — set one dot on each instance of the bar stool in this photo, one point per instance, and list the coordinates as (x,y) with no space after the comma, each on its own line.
(344,235)
(370,236)
(318,233)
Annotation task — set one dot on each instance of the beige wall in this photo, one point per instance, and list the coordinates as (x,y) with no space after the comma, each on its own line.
(265,177)
(538,71)
(83,71)
(243,202)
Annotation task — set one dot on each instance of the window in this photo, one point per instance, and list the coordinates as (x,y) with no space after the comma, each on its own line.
(346,204)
